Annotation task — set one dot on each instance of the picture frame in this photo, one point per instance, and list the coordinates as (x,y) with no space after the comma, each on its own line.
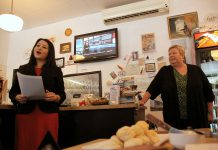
(87,83)
(135,55)
(60,62)
(148,42)
(150,67)
(181,26)
(65,48)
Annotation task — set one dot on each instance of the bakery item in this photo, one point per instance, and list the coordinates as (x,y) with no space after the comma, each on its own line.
(137,129)
(133,142)
(146,140)
(115,139)
(143,125)
(153,136)
(125,133)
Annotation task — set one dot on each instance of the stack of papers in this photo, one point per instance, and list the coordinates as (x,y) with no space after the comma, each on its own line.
(31,86)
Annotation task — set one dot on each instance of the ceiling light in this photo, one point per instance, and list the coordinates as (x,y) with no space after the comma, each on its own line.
(11,22)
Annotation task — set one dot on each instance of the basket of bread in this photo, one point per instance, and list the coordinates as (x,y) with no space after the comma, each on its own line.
(128,136)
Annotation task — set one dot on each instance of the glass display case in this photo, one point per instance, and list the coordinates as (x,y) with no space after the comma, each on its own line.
(206,47)
(208,61)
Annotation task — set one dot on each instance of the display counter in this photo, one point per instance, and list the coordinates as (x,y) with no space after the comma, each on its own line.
(76,124)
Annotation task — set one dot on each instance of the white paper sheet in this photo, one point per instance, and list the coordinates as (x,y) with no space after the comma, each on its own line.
(31,86)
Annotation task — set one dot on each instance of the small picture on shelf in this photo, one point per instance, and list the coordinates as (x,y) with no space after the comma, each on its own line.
(60,62)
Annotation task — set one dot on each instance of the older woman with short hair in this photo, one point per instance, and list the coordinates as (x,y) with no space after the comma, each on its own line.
(185,91)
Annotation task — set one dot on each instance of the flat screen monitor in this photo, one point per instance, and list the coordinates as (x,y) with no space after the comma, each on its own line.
(206,39)
(96,46)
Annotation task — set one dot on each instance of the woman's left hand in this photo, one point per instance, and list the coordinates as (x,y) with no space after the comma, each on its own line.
(51,96)
(210,116)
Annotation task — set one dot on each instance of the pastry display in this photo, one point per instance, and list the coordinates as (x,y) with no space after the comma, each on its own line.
(99,102)
(137,134)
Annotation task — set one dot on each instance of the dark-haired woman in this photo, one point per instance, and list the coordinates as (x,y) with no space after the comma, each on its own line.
(35,118)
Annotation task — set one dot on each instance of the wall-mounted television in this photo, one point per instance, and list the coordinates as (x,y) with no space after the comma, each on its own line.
(96,46)
(206,39)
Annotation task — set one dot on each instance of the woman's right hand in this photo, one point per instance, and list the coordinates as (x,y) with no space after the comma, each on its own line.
(21,98)
(145,98)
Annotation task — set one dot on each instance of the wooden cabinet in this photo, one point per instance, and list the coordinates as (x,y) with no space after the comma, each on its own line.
(76,125)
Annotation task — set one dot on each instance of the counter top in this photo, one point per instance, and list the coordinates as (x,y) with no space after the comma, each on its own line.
(166,145)
(90,107)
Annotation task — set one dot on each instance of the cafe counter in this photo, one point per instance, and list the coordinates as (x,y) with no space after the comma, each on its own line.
(76,124)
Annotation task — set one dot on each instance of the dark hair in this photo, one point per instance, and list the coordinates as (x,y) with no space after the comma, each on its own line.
(50,60)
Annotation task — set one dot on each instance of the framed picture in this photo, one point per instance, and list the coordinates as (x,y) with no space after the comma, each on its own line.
(135,55)
(83,84)
(60,62)
(65,48)
(150,67)
(148,43)
(181,26)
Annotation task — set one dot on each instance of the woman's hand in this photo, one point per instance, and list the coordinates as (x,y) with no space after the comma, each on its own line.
(210,116)
(145,98)
(21,98)
(51,96)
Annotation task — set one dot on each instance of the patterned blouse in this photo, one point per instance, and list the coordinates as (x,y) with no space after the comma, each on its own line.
(181,82)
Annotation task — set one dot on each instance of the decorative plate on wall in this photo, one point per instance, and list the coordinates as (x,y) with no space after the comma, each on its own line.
(68,32)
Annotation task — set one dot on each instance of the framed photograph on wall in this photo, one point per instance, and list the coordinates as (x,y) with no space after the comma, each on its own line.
(181,26)
(150,67)
(60,62)
(65,48)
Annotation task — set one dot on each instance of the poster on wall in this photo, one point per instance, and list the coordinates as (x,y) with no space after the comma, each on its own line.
(181,26)
(148,43)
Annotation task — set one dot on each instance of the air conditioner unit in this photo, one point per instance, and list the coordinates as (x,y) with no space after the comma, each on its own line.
(136,9)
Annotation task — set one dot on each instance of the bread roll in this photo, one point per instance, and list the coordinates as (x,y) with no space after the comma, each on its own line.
(110,145)
(125,133)
(146,140)
(115,139)
(143,125)
(133,142)
(153,136)
(137,129)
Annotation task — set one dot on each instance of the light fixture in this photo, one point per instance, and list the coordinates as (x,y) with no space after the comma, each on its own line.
(11,22)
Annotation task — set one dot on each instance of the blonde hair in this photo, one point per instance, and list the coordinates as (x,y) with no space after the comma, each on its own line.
(180,49)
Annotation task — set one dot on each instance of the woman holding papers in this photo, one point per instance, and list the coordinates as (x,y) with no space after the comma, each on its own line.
(36,117)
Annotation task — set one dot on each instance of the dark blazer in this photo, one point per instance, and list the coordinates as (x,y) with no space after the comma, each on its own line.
(199,93)
(53,82)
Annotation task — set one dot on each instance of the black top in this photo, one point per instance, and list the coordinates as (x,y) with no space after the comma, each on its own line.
(53,81)
(199,93)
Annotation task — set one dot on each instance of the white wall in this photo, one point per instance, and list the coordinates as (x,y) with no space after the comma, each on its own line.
(129,37)
(4,44)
